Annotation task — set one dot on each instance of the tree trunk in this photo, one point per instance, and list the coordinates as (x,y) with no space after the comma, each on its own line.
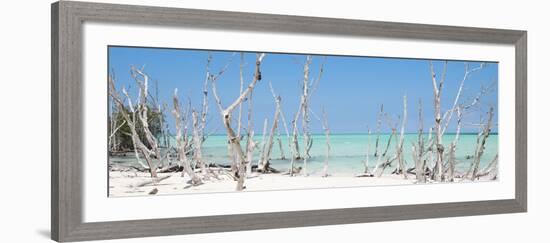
(480,148)
(262,151)
(452,152)
(267,153)
(381,166)
(378,126)
(327,136)
(250,143)
(138,144)
(250,152)
(182,155)
(366,171)
(234,140)
(399,149)
(418,150)
(280,142)
(491,170)
(277,99)
(241,67)
(449,115)
(437,88)
(197,144)
(294,147)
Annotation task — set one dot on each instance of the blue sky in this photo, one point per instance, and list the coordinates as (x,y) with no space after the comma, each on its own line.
(351,89)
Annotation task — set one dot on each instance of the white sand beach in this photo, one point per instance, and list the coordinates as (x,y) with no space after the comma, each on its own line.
(124,183)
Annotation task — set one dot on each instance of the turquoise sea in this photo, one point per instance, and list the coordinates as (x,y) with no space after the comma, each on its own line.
(348,151)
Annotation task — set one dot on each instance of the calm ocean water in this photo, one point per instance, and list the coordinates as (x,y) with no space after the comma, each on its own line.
(348,151)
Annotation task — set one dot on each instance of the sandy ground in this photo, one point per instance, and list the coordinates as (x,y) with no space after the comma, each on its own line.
(123,184)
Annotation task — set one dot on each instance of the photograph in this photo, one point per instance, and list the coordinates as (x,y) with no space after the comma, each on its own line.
(186,121)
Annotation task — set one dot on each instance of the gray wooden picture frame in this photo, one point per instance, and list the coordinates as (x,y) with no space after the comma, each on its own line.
(67,119)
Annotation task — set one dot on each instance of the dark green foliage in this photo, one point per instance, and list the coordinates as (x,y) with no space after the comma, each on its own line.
(123,137)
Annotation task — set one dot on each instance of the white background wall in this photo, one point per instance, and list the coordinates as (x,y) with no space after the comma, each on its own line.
(25,120)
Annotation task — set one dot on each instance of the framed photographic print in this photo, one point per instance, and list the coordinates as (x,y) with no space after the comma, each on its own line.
(225,121)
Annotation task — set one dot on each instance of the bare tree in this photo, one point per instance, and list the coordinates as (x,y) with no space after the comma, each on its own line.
(280,142)
(294,147)
(418,148)
(440,148)
(277,99)
(383,161)
(324,124)
(225,113)
(149,154)
(267,153)
(467,72)
(241,78)
(401,169)
(440,127)
(327,137)
(305,117)
(452,151)
(480,147)
(212,78)
(197,144)
(301,110)
(263,144)
(204,112)
(113,129)
(250,143)
(308,87)
(180,143)
(366,171)
(378,127)
(491,170)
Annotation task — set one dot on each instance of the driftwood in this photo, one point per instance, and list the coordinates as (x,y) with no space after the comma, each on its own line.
(418,149)
(491,170)
(437,89)
(182,155)
(268,147)
(250,143)
(308,87)
(171,168)
(153,181)
(225,113)
(449,114)
(364,175)
(296,170)
(383,161)
(401,169)
(305,115)
(326,129)
(142,111)
(302,109)
(254,167)
(441,171)
(130,118)
(366,171)
(378,127)
(379,169)
(263,144)
(480,147)
(280,142)
(280,113)
(295,149)
(452,150)
(241,78)
(197,144)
